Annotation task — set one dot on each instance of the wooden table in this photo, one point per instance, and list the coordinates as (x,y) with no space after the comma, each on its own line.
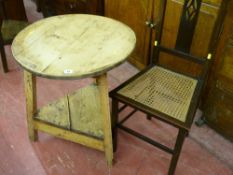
(73,47)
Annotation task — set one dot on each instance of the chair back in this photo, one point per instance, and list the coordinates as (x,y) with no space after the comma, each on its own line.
(186,30)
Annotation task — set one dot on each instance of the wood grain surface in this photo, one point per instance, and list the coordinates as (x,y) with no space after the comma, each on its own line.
(76,112)
(136,14)
(73,46)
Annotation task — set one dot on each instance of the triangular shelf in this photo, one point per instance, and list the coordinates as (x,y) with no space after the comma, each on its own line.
(79,111)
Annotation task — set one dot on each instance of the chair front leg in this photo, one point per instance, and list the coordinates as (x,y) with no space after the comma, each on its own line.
(178,146)
(115,105)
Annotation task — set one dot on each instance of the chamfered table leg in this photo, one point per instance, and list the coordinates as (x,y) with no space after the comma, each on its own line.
(31,105)
(104,100)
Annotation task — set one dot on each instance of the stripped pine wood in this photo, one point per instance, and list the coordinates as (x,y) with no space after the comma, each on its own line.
(56,113)
(79,111)
(73,46)
(71,136)
(85,112)
(104,102)
(31,104)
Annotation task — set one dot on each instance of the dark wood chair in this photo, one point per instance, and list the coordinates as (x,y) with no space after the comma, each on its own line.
(9,29)
(171,96)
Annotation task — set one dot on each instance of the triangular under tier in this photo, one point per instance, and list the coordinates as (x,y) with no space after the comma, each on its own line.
(79,111)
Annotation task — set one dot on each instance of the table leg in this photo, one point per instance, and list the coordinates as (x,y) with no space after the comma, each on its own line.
(104,100)
(31,106)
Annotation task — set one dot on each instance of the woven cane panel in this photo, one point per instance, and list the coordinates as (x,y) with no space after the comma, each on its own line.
(162,90)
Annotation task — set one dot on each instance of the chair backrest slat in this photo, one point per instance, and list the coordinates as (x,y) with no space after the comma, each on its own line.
(187,25)
(183,55)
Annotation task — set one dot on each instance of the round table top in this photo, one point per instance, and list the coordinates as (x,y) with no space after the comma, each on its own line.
(73,46)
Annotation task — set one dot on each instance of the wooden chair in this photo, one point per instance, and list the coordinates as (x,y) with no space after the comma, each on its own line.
(9,29)
(161,92)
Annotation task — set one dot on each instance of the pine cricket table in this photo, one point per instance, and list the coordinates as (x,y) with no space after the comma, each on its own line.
(73,47)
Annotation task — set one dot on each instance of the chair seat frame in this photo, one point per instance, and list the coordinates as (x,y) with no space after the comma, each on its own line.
(183,127)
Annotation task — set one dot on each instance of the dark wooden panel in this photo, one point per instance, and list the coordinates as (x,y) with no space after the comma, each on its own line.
(59,7)
(15,9)
(218,111)
(217,107)
(135,15)
(225,70)
(213,2)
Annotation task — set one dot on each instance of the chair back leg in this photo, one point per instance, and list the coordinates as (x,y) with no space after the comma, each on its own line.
(3,57)
(148,117)
(114,122)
